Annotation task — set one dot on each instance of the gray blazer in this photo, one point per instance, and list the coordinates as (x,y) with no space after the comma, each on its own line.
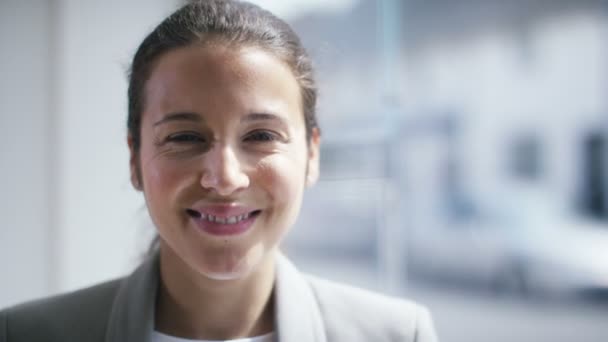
(308,309)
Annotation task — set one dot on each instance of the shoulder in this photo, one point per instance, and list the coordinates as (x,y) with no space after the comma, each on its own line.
(355,314)
(77,316)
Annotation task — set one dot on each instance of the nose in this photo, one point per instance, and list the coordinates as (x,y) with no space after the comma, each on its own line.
(223,172)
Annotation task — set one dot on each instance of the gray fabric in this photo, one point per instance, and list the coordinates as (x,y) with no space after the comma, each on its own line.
(308,310)
(353,314)
(78,316)
(297,313)
(132,316)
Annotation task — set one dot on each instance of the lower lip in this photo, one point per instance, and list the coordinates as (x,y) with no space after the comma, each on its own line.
(220,229)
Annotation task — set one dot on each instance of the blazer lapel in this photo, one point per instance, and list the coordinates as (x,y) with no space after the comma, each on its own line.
(298,316)
(132,316)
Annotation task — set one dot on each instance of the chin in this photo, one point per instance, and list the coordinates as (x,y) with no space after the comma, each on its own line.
(233,265)
(225,276)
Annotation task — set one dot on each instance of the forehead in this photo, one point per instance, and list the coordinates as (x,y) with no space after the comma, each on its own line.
(219,75)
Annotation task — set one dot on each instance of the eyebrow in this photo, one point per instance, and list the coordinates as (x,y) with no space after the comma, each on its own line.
(264,117)
(194,117)
(182,116)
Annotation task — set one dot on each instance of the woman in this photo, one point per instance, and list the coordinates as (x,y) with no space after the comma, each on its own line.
(223,141)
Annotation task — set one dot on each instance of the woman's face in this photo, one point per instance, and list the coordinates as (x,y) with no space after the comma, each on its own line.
(224,158)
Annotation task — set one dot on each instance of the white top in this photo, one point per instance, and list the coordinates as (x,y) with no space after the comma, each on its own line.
(160,337)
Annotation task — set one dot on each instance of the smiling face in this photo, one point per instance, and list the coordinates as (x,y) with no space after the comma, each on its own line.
(224,160)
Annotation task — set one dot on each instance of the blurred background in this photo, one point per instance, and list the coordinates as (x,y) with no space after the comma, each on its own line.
(464,159)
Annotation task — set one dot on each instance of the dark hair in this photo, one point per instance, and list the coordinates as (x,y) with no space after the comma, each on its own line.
(232,22)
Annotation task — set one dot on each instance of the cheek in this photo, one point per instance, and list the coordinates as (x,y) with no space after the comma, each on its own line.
(282,179)
(163,178)
(158,176)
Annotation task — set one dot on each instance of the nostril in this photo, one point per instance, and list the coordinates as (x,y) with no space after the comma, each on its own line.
(193,213)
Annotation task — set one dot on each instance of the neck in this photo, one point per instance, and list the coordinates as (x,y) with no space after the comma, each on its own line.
(190,305)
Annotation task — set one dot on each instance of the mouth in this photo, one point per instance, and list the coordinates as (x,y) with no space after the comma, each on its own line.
(195,214)
(223,224)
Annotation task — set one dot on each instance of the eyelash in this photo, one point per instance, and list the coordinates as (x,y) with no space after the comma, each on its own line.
(261,136)
(193,138)
(185,138)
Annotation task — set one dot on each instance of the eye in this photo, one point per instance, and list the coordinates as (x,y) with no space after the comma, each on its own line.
(261,136)
(185,138)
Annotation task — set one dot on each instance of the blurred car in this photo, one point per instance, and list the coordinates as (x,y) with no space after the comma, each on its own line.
(525,244)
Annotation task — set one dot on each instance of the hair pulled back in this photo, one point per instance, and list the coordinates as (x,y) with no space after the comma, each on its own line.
(232,22)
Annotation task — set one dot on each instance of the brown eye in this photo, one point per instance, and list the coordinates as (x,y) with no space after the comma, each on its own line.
(185,138)
(261,136)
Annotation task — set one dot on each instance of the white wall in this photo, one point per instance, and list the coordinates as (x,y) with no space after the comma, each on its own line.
(557,92)
(25,172)
(100,217)
(69,215)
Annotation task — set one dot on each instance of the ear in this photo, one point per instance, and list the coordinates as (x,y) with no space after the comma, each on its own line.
(312,171)
(134,165)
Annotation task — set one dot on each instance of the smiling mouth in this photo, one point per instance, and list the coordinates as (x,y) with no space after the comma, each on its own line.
(221,220)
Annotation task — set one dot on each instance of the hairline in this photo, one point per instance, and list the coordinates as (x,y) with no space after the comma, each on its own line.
(215,40)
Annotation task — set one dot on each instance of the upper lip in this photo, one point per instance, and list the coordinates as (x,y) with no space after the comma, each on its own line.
(223,210)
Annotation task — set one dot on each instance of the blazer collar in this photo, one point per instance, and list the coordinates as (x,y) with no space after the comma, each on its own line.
(298,317)
(132,315)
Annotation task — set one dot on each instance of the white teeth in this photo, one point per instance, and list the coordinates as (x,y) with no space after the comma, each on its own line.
(224,220)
